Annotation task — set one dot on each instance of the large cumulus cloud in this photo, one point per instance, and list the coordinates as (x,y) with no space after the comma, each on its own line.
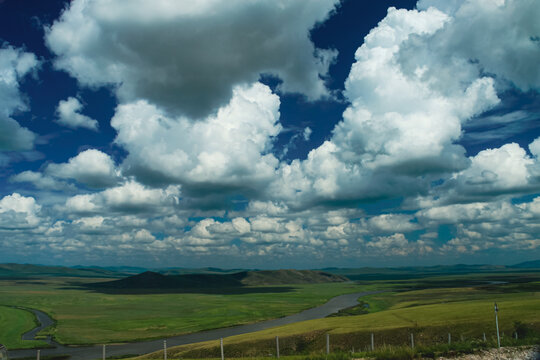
(187,56)
(400,127)
(229,150)
(417,80)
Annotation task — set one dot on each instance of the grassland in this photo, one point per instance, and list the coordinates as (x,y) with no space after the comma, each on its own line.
(15,322)
(428,312)
(90,317)
(430,307)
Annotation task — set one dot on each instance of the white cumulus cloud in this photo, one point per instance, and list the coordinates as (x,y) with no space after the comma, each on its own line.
(228,150)
(17,211)
(494,172)
(41,181)
(15,64)
(534,147)
(90,167)
(69,115)
(130,197)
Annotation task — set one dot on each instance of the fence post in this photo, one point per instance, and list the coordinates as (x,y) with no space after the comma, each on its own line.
(412,340)
(372,342)
(516,335)
(38,354)
(327,344)
(449,338)
(221,345)
(103,354)
(277,346)
(164,349)
(485,337)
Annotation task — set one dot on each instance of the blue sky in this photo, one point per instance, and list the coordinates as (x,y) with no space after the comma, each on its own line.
(269,134)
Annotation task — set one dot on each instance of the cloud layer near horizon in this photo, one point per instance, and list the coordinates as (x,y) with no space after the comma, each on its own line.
(201,178)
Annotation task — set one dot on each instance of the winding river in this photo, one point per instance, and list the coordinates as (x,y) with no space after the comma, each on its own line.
(144,347)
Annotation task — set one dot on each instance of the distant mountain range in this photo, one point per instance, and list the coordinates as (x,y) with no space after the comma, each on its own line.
(535,264)
(29,270)
(259,277)
(408,272)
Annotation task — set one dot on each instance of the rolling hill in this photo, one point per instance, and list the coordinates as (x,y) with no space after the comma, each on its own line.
(284,277)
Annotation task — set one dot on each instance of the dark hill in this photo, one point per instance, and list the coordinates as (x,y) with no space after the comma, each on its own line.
(153,280)
(208,270)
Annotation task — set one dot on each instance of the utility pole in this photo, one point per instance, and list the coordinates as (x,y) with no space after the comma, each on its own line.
(327,344)
(497,325)
(164,349)
(221,345)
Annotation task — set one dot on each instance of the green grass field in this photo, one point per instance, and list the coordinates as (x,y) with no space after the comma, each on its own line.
(430,314)
(14,323)
(87,317)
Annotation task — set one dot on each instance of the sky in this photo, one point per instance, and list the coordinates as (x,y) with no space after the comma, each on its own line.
(269,134)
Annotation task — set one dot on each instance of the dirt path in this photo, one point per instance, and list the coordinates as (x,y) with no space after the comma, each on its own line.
(505,353)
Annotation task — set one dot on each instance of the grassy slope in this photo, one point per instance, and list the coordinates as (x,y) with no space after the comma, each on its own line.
(86,317)
(284,277)
(431,314)
(15,322)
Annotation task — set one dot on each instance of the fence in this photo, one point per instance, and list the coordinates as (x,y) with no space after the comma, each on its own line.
(324,343)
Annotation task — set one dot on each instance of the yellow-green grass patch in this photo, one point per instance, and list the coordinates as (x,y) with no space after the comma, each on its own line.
(454,313)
